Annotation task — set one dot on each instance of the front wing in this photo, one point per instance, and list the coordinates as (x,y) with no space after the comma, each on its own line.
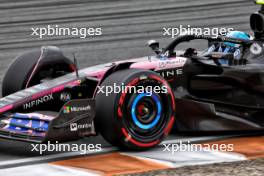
(75,120)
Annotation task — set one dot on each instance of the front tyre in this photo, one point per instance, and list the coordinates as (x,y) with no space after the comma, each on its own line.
(139,113)
(32,67)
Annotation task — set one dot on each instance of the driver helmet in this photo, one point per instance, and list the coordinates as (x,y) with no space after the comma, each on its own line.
(229,47)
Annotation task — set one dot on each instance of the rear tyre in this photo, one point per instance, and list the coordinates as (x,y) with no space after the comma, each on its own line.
(136,120)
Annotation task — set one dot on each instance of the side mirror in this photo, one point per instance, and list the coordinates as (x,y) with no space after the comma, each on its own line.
(154,45)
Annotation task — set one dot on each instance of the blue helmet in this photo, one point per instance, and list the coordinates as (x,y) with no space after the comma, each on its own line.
(237,35)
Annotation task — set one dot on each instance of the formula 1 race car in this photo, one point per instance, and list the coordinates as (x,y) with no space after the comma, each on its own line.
(47,98)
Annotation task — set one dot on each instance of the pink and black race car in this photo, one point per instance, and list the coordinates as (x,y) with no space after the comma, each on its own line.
(135,103)
(46,98)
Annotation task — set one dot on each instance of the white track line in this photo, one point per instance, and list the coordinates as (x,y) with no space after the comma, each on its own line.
(47,158)
(47,170)
(60,156)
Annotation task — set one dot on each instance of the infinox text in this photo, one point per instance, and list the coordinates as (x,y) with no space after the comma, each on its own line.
(39,101)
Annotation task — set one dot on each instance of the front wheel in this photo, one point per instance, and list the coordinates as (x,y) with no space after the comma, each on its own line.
(139,113)
(32,67)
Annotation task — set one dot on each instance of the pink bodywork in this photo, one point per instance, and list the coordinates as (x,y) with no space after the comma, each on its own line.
(146,63)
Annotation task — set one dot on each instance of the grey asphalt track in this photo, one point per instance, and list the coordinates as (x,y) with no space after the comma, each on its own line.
(126,27)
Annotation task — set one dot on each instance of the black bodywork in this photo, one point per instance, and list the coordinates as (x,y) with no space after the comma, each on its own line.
(213,97)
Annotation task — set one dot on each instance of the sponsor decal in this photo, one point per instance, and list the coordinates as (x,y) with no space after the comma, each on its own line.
(66,109)
(65,96)
(76,126)
(39,101)
(179,62)
(171,73)
(69,109)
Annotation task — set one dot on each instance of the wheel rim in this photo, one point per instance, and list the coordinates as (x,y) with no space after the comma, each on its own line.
(148,126)
(146,111)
